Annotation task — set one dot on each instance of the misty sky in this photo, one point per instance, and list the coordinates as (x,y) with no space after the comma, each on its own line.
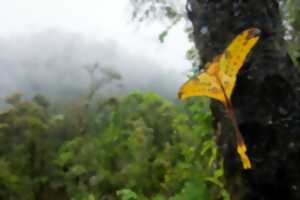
(34,32)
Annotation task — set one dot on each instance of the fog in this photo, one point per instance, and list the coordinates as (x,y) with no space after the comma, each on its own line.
(53,63)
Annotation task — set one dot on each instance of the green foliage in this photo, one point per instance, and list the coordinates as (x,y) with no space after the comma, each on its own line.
(127,194)
(291,21)
(140,146)
(162,36)
(292,12)
(24,148)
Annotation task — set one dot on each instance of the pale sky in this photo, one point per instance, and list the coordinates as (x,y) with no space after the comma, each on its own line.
(95,19)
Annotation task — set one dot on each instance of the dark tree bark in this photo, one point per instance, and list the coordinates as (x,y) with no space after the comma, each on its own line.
(266,98)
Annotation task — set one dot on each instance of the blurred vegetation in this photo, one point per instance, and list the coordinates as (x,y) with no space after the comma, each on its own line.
(139,146)
(171,12)
(291,15)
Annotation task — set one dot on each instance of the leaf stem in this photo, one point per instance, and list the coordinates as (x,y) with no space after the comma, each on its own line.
(241,146)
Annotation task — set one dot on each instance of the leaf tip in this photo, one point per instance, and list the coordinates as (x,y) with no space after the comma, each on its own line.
(254,32)
(241,149)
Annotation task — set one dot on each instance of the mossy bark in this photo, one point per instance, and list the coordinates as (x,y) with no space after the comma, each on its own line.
(266,98)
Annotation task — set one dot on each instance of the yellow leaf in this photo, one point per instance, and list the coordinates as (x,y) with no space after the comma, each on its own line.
(218,80)
(242,149)
(207,85)
(235,54)
(222,71)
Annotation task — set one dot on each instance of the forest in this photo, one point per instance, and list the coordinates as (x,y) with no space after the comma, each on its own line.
(108,141)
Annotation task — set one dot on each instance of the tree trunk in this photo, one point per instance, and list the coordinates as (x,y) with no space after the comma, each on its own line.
(266,98)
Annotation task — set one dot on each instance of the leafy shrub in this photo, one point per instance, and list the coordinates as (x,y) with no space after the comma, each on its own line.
(140,146)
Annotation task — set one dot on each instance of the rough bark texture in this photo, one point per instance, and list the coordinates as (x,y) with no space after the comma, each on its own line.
(266,98)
